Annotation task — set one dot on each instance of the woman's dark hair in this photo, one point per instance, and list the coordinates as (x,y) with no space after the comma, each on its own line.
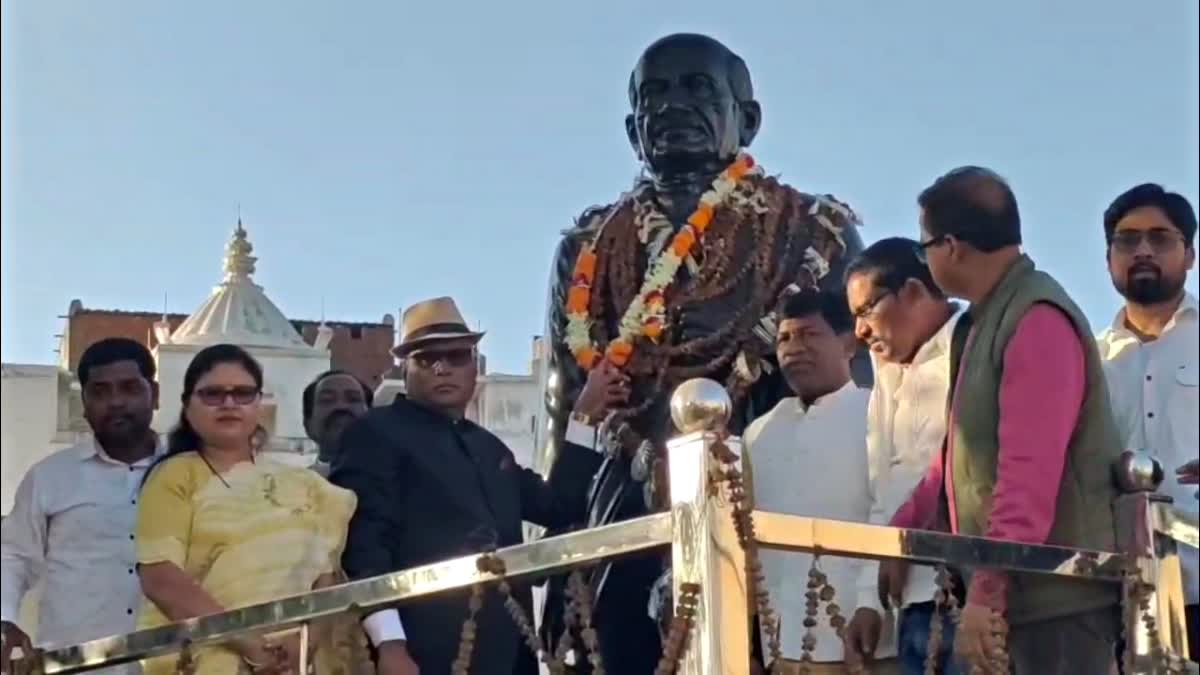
(183,438)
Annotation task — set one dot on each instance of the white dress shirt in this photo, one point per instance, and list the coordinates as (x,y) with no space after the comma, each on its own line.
(385,625)
(72,526)
(1155,391)
(906,425)
(811,462)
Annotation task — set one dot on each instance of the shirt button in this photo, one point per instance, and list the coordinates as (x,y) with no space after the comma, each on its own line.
(131,537)
(129,612)
(1150,415)
(132,501)
(131,570)
(1149,377)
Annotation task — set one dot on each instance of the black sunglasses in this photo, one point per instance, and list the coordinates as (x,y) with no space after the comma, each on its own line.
(454,358)
(215,396)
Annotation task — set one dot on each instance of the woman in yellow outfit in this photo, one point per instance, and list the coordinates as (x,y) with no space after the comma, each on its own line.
(220,528)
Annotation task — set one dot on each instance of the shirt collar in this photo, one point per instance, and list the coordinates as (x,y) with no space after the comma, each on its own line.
(90,449)
(1187,308)
(828,399)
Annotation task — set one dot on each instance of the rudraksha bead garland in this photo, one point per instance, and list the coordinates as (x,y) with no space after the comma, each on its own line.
(821,591)
(1137,601)
(681,629)
(580,595)
(743,522)
(466,645)
(944,602)
(186,665)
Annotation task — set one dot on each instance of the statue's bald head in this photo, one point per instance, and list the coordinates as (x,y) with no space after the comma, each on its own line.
(695,48)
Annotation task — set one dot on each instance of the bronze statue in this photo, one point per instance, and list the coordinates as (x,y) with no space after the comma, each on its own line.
(679,278)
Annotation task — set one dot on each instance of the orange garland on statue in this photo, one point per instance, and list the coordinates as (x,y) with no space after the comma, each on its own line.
(646,314)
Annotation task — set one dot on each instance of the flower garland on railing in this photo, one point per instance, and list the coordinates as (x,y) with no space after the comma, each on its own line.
(646,314)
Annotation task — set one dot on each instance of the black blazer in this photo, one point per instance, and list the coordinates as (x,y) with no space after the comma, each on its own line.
(431,488)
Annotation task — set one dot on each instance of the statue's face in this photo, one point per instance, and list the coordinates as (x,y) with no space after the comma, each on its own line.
(686,111)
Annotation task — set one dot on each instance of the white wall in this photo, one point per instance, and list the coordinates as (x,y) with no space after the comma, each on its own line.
(509,406)
(28,421)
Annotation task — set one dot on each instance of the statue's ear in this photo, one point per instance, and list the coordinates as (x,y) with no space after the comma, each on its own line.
(632,132)
(751,121)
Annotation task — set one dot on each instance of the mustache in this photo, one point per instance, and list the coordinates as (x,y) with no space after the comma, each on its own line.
(670,117)
(339,414)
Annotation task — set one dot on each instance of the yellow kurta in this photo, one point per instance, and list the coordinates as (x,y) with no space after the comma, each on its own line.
(267,531)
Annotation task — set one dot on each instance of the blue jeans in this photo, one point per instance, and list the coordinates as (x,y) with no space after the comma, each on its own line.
(913,641)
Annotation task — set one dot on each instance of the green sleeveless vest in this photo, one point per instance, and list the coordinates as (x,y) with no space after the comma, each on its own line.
(1084,516)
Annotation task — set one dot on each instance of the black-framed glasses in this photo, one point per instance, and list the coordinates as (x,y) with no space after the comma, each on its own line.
(1160,240)
(215,396)
(868,308)
(922,249)
(454,358)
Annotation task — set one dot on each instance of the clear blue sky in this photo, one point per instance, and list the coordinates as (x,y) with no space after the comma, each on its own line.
(384,152)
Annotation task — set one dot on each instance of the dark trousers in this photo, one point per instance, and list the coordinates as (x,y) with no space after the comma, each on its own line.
(913,641)
(1080,644)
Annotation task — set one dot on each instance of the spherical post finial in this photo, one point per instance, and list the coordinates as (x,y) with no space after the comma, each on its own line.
(700,405)
(1138,471)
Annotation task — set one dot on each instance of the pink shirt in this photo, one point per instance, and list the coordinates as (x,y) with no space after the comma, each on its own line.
(1041,393)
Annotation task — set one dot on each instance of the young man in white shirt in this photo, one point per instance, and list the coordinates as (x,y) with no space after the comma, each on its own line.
(808,456)
(908,324)
(73,517)
(1152,349)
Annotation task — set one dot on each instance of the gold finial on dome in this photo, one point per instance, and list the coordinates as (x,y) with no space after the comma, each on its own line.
(238,259)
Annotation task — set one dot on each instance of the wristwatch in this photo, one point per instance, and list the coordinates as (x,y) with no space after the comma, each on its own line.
(583,419)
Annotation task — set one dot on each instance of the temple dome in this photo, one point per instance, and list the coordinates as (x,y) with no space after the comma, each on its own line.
(238,311)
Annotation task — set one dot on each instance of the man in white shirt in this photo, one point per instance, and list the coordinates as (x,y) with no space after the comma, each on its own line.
(1151,349)
(908,323)
(73,517)
(808,457)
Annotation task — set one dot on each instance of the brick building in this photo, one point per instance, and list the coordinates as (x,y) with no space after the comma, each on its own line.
(363,349)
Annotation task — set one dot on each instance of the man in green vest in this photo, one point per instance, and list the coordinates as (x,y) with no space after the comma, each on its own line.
(1030,438)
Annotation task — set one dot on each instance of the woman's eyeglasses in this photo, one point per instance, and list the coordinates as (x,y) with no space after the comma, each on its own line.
(1161,241)
(215,396)
(454,358)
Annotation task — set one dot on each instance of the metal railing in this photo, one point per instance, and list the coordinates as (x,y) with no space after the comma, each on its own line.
(700,531)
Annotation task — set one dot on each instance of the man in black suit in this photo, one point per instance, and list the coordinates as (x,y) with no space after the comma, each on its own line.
(433,485)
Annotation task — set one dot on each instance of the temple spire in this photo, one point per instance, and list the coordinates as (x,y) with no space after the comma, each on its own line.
(239,263)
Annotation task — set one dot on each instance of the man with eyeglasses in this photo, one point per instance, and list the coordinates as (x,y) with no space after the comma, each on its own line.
(907,323)
(1031,438)
(433,485)
(1151,351)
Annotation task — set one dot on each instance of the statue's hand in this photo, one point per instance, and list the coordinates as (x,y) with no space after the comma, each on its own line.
(606,388)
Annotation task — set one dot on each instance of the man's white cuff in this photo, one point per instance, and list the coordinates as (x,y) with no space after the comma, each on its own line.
(579,433)
(383,626)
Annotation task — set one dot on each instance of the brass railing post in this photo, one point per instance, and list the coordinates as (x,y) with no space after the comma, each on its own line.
(1153,614)
(705,549)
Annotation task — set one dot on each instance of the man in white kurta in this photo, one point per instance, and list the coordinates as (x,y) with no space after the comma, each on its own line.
(808,457)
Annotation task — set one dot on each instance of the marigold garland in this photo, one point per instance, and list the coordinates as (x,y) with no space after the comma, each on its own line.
(646,314)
